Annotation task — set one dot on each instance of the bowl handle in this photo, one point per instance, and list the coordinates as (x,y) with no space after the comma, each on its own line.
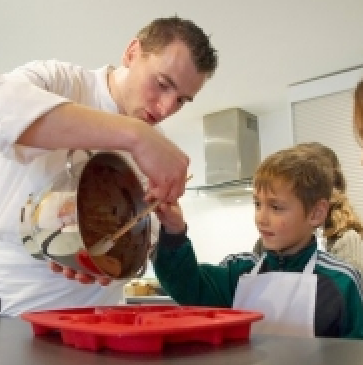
(69,162)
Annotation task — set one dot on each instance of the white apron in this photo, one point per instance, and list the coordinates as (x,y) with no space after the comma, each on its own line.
(286,299)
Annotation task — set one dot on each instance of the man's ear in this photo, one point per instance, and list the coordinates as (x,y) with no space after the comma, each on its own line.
(132,50)
(319,213)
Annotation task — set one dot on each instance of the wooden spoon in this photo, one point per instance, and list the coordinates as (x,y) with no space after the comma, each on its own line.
(107,242)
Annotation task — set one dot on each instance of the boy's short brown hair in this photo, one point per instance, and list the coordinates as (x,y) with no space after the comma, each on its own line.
(307,176)
(163,31)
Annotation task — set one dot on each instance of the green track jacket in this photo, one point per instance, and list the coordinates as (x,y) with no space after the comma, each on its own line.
(338,311)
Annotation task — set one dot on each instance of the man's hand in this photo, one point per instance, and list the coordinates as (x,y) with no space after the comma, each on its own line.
(162,162)
(72,125)
(78,275)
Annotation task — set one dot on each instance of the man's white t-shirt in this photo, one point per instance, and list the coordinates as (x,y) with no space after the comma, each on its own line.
(27,283)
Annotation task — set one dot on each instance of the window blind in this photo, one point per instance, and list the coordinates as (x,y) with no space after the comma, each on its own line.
(328,119)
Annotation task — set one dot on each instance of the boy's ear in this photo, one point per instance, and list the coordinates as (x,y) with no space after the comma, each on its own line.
(319,213)
(132,50)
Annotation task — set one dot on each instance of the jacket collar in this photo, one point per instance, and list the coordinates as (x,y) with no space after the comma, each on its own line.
(295,262)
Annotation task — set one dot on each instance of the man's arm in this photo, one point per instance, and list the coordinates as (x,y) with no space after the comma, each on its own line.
(56,122)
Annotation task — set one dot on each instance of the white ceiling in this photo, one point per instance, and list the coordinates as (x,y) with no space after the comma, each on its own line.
(266,45)
(263,45)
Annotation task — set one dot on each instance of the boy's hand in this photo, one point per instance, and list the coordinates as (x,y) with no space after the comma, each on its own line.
(171,217)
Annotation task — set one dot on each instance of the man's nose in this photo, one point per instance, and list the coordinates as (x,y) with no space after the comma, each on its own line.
(167,105)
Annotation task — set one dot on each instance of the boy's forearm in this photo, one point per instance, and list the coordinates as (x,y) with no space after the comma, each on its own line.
(172,258)
(186,281)
(170,240)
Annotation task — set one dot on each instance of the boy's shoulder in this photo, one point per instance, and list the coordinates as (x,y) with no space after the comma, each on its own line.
(249,258)
(338,270)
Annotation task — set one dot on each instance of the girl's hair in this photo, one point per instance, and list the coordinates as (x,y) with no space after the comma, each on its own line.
(309,180)
(329,158)
(358,111)
(163,31)
(341,217)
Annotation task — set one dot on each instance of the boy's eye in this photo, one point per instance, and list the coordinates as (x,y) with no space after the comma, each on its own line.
(277,207)
(257,204)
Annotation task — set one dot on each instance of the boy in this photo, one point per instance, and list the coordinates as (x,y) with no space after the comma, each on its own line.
(300,290)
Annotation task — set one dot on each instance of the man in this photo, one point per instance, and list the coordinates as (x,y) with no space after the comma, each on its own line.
(49,106)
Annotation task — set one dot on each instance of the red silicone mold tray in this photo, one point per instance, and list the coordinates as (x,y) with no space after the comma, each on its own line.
(142,328)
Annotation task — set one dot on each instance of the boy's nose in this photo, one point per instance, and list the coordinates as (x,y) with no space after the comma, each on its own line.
(261,217)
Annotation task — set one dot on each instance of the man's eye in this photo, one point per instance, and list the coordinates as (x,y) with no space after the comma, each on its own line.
(180,101)
(163,85)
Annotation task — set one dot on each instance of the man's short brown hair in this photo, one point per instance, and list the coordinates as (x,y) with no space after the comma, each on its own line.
(163,31)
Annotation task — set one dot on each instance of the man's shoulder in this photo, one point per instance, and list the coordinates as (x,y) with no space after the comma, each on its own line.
(49,64)
(51,73)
